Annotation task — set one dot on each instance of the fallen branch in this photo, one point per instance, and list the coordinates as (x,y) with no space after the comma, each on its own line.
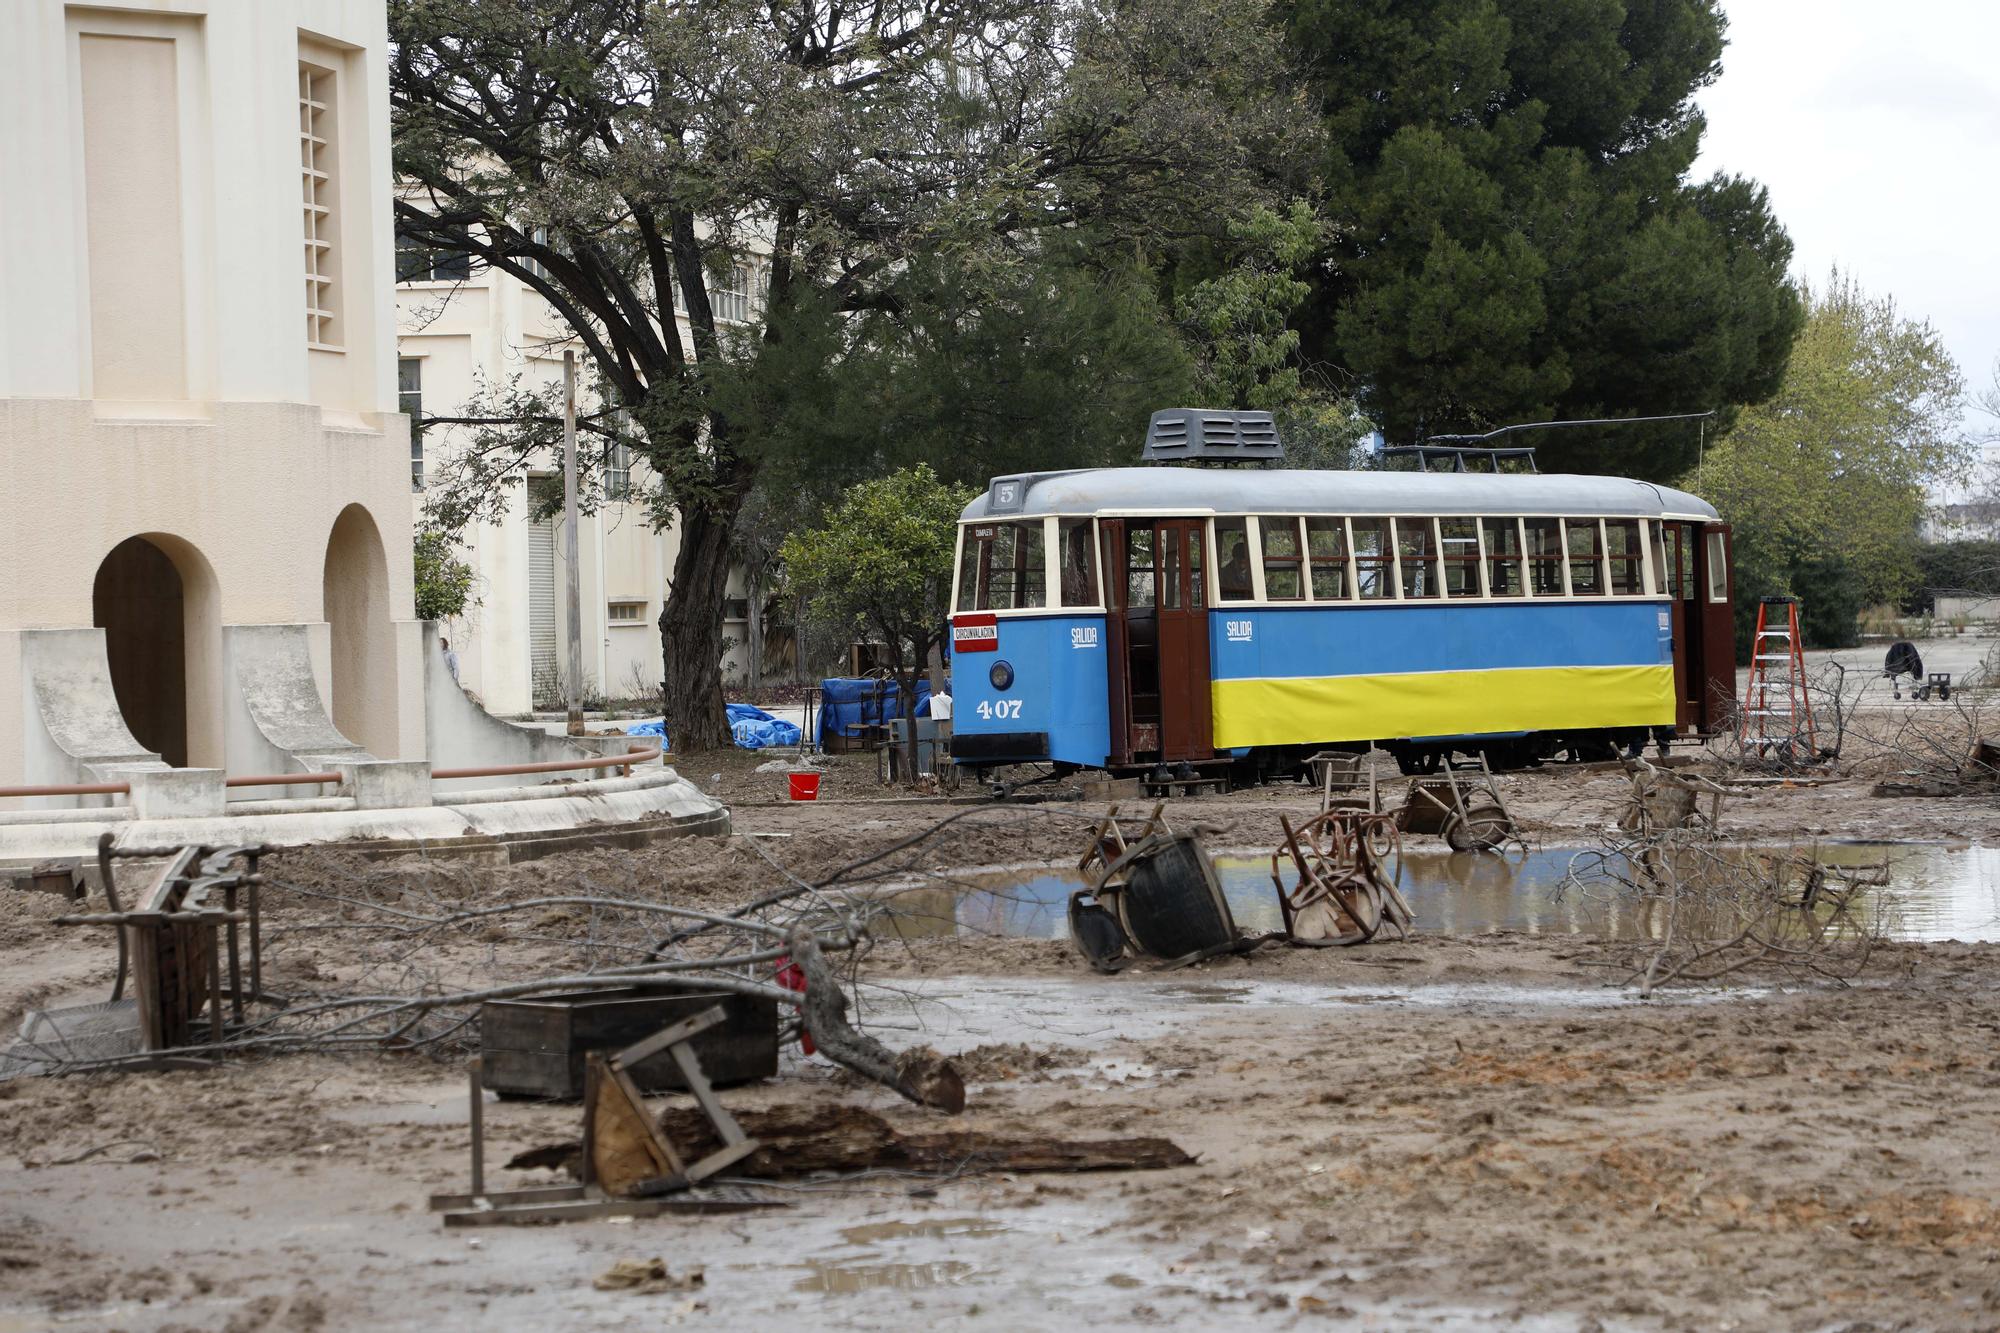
(800,1139)
(920,1074)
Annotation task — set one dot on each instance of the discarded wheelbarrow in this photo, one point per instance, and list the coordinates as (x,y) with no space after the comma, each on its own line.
(1345,891)
(1150,892)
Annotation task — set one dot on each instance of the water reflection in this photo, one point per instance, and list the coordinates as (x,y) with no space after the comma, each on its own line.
(1935,892)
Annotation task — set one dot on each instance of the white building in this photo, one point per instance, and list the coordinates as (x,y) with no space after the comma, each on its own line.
(202,476)
(463,326)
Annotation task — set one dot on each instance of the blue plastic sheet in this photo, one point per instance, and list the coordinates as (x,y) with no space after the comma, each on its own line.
(847,704)
(753,728)
(756,729)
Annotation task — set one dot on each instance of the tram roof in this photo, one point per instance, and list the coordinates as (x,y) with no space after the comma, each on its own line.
(1188,490)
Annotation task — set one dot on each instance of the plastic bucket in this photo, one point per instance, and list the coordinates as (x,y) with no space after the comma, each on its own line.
(805,786)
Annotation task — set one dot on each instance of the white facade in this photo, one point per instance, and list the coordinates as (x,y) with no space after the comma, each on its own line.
(204,512)
(479,327)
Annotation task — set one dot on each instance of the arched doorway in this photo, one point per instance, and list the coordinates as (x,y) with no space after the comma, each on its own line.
(155,598)
(355,587)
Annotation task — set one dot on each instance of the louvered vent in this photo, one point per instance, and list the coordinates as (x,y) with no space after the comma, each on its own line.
(1184,434)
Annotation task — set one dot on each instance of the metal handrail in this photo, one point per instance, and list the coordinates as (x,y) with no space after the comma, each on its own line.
(637,755)
(73,789)
(279,779)
(624,761)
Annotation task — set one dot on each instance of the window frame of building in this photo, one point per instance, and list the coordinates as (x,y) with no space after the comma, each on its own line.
(417,263)
(615,608)
(731,303)
(319,93)
(618,471)
(410,401)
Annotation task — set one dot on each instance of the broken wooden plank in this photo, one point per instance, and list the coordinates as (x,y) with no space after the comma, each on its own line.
(799,1139)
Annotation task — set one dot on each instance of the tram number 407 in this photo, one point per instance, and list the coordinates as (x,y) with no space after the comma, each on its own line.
(998,708)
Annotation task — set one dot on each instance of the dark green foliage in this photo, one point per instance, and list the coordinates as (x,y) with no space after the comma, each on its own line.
(1516,236)
(1831,594)
(1052,362)
(444,582)
(1960,566)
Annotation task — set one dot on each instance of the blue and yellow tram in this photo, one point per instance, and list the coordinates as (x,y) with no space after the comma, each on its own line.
(1128,618)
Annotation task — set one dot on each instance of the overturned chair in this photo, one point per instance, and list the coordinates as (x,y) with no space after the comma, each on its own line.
(1346,889)
(1150,893)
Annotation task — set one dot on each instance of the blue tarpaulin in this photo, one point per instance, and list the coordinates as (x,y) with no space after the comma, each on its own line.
(849,703)
(753,728)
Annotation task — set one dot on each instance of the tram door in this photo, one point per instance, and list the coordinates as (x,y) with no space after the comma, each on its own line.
(1160,703)
(1717,637)
(1676,556)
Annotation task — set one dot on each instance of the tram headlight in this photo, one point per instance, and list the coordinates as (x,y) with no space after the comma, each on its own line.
(1002,675)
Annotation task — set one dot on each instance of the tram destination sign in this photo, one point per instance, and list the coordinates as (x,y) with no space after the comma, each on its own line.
(975,634)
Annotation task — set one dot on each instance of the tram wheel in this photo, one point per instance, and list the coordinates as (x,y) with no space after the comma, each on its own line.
(1416,763)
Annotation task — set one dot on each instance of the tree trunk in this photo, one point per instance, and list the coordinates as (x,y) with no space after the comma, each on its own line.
(691,627)
(906,689)
(756,634)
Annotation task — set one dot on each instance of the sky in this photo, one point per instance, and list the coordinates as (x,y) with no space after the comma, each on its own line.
(1876,126)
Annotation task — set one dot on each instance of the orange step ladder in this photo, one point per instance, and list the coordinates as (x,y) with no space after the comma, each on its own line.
(1777,711)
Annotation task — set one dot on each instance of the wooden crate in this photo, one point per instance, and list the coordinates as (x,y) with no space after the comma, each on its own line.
(535,1047)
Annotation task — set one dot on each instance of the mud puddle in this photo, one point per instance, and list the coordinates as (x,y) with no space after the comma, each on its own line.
(958,1013)
(1936,891)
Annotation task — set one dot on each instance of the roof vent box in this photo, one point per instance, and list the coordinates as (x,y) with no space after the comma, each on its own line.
(1184,434)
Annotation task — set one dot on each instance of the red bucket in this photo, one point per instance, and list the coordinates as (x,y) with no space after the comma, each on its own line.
(805,786)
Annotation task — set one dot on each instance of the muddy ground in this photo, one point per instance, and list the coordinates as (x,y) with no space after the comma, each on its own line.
(1443,1132)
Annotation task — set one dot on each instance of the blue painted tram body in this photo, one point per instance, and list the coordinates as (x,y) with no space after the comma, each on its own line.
(1124,618)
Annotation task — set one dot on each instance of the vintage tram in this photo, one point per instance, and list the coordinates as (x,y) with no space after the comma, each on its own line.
(1187,617)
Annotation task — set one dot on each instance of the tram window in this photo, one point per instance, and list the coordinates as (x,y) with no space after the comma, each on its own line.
(969,566)
(1001,568)
(1232,554)
(1079,571)
(1718,569)
(1416,551)
(1138,567)
(1586,557)
(1625,552)
(1374,576)
(1545,556)
(1458,543)
(1283,581)
(1326,547)
(1197,584)
(1663,563)
(1503,556)
(1168,543)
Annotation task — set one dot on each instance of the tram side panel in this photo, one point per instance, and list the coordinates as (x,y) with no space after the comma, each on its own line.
(1030,689)
(1308,675)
